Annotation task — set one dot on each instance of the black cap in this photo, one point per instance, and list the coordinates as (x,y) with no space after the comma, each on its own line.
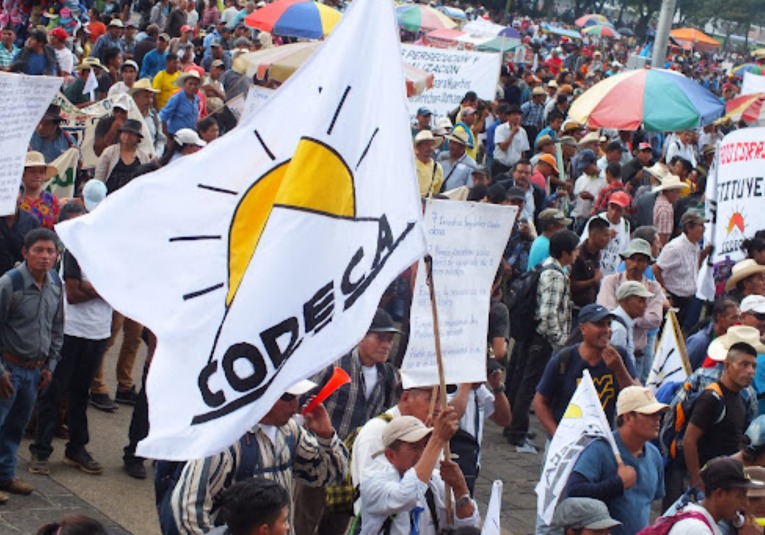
(516,194)
(615,145)
(382,323)
(593,313)
(726,473)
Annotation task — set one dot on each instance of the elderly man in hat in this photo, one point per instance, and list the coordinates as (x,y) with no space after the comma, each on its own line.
(457,165)
(143,96)
(430,174)
(663,209)
(111,39)
(678,264)
(532,113)
(510,142)
(583,516)
(49,138)
(629,486)
(182,110)
(395,498)
(747,278)
(370,392)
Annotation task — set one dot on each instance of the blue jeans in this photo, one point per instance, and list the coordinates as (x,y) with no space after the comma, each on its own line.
(15,413)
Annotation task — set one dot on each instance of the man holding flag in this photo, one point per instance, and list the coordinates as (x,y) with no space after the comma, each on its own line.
(628,485)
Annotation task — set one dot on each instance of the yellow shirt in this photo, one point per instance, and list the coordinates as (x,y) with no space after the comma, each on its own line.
(429,183)
(165,84)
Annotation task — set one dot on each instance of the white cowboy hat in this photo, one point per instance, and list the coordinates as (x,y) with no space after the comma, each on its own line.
(669,182)
(745,268)
(719,347)
(186,75)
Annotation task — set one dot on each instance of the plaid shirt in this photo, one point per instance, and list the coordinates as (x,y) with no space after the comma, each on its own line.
(348,407)
(663,215)
(601,203)
(532,114)
(7,56)
(315,461)
(553,304)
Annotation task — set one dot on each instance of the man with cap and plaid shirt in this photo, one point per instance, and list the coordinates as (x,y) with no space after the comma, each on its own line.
(629,485)
(369,393)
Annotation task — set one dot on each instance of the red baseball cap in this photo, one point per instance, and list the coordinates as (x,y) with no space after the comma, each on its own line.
(186,28)
(620,198)
(59,33)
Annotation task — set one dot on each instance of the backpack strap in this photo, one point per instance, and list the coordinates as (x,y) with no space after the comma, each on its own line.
(17,279)
(431,501)
(565,359)
(717,391)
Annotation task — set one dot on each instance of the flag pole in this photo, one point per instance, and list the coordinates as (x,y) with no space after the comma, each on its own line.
(441,381)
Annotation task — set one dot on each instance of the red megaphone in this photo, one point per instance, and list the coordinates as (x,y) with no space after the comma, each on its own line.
(339,378)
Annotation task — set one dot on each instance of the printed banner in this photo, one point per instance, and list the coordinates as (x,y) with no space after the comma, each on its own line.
(23,101)
(739,188)
(62,183)
(281,237)
(455,73)
(466,241)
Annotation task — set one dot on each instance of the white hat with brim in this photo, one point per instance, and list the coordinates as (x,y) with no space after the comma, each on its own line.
(186,75)
(89,63)
(753,303)
(36,159)
(187,136)
(670,182)
(301,387)
(742,270)
(144,84)
(425,135)
(460,137)
(738,334)
(592,137)
(658,170)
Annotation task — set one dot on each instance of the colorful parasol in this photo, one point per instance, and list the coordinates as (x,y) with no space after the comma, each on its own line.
(748,108)
(281,62)
(693,37)
(295,18)
(417,18)
(753,68)
(759,53)
(588,20)
(601,31)
(657,99)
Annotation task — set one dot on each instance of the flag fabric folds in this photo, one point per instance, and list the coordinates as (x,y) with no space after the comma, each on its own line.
(261,259)
(583,422)
(670,361)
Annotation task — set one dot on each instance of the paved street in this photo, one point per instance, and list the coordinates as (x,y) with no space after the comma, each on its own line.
(126,505)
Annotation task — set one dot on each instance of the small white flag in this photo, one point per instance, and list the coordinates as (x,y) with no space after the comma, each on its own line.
(91,84)
(670,361)
(491,523)
(583,422)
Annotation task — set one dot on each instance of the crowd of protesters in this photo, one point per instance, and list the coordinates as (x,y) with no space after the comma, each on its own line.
(610,222)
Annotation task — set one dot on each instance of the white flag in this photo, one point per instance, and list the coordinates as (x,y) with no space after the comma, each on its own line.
(91,84)
(491,523)
(583,422)
(261,259)
(705,283)
(670,361)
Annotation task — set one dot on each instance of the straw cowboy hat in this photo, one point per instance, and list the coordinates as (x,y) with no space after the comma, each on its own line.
(90,63)
(742,270)
(144,84)
(425,135)
(185,75)
(460,136)
(670,182)
(719,347)
(36,159)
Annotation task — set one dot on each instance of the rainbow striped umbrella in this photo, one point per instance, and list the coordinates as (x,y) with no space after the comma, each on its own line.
(747,107)
(295,18)
(418,18)
(588,20)
(657,99)
(754,68)
(601,30)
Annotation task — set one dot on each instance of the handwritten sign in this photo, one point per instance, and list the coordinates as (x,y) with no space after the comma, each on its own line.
(23,101)
(455,73)
(466,241)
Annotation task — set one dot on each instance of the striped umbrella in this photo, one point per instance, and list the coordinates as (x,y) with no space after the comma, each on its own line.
(747,107)
(753,68)
(601,30)
(295,18)
(417,18)
(590,19)
(657,99)
(281,62)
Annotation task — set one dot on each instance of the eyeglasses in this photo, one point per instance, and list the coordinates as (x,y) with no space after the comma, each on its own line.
(287,398)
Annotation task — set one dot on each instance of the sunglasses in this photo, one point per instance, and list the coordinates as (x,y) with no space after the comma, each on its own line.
(288,397)
(759,315)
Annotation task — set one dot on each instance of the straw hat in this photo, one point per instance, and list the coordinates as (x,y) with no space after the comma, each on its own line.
(742,270)
(670,182)
(719,347)
(90,63)
(460,136)
(424,135)
(144,84)
(36,159)
(592,137)
(185,75)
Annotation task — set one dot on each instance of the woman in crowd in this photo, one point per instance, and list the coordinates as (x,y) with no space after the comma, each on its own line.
(118,163)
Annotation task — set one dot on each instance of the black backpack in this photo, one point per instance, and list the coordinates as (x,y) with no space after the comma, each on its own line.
(522,303)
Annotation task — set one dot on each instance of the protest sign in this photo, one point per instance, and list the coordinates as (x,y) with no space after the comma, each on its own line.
(738,186)
(23,103)
(455,73)
(753,83)
(670,362)
(81,123)
(466,241)
(583,422)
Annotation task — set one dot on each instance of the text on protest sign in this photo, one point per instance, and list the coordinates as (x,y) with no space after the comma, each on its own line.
(466,241)
(455,73)
(23,103)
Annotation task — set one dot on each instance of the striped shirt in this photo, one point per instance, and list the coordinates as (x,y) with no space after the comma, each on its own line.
(663,215)
(315,461)
(553,304)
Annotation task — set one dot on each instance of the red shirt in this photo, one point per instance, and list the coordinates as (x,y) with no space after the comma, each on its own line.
(97,29)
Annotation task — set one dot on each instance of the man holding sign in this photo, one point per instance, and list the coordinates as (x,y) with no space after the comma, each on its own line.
(628,485)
